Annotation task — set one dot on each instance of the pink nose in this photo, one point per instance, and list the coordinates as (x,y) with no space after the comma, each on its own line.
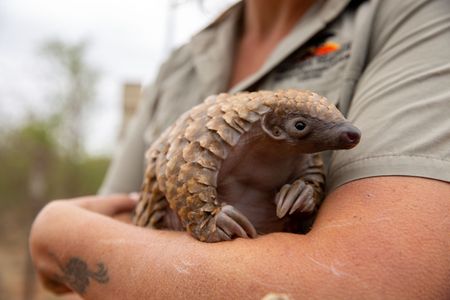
(350,136)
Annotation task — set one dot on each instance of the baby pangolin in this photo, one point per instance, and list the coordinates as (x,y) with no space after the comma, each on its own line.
(242,165)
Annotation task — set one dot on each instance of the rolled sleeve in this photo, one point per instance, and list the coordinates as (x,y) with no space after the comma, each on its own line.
(402,100)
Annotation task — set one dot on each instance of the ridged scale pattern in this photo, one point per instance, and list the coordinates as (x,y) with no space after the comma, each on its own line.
(184,162)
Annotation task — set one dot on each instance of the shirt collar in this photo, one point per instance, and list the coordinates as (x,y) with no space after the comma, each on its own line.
(212,48)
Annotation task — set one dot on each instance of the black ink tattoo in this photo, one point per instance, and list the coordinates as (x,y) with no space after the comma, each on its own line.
(77,274)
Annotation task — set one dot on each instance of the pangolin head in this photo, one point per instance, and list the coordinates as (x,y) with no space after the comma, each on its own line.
(307,120)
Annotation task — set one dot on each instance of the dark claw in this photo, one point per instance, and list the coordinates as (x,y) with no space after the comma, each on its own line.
(294,197)
(304,200)
(241,219)
(282,193)
(160,205)
(156,217)
(233,223)
(222,235)
(143,219)
(285,204)
(230,226)
(310,206)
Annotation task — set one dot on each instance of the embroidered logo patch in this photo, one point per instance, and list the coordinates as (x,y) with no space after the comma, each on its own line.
(325,48)
(320,54)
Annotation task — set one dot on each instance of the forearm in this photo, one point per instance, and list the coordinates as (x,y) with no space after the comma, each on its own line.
(357,249)
(159,264)
(162,264)
(153,261)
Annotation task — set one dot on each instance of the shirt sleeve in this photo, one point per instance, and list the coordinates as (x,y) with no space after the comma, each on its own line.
(402,100)
(125,173)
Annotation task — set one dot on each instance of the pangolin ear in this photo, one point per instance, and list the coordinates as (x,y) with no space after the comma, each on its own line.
(272,130)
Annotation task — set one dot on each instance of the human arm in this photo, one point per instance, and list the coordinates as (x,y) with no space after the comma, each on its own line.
(385,237)
(380,237)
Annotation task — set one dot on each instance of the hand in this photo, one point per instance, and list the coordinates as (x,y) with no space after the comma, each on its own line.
(114,206)
(46,230)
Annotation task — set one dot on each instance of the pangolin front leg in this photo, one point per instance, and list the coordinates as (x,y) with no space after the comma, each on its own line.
(216,223)
(231,223)
(304,194)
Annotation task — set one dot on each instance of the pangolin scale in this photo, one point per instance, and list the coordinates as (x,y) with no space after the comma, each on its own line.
(241,165)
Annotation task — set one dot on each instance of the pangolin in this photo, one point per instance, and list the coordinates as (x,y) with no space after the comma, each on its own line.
(242,165)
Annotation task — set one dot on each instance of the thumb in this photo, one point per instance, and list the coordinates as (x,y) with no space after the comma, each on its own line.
(122,203)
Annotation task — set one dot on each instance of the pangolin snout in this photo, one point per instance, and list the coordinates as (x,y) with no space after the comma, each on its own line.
(349,136)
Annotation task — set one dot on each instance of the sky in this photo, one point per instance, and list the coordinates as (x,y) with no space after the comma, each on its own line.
(128,40)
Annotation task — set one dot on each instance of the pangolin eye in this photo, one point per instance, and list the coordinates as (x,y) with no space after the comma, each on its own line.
(300,126)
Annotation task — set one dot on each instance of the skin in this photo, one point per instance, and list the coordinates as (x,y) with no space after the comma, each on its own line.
(266,23)
(380,237)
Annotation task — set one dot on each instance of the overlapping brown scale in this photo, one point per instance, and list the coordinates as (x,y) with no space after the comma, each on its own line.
(225,106)
(207,177)
(178,202)
(261,109)
(225,131)
(172,183)
(214,143)
(182,213)
(149,197)
(192,201)
(193,130)
(213,111)
(257,106)
(194,187)
(246,114)
(303,101)
(173,165)
(233,120)
(141,206)
(195,216)
(143,218)
(208,194)
(176,145)
(194,152)
(189,171)
(161,169)
(160,165)
(198,111)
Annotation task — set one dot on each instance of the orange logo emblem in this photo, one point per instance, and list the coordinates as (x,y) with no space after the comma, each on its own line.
(325,48)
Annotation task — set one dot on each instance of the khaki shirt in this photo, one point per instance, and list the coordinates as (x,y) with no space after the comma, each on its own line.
(385,64)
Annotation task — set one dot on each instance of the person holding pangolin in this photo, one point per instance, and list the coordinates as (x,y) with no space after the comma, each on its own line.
(382,229)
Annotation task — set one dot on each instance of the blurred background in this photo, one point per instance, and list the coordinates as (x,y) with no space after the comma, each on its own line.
(71,72)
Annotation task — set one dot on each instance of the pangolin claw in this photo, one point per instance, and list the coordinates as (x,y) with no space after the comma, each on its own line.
(297,196)
(231,222)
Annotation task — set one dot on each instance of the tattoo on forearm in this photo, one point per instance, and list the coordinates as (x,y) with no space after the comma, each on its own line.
(77,274)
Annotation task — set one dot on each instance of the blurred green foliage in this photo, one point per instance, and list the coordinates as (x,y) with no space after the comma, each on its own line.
(43,158)
(34,167)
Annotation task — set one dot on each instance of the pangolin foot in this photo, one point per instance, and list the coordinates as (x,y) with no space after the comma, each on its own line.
(296,196)
(231,223)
